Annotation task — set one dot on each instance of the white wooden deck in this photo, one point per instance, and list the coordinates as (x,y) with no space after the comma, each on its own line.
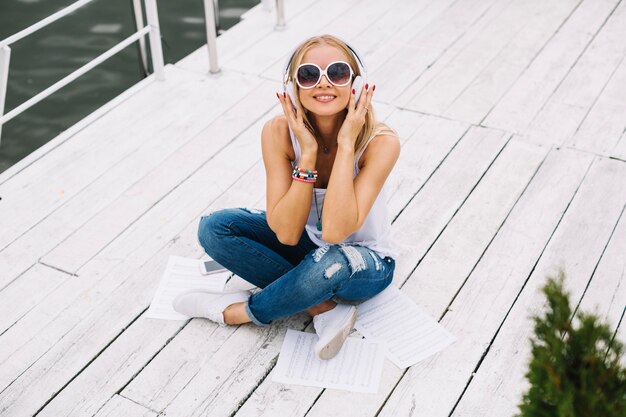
(512,115)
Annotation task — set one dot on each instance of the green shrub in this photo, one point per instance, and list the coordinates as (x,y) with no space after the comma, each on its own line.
(575,370)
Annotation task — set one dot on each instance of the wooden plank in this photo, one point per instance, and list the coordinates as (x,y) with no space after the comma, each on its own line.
(200,398)
(455,252)
(422,15)
(405,123)
(368,28)
(448,186)
(82,317)
(275,45)
(450,31)
(363,16)
(127,355)
(34,197)
(71,235)
(22,295)
(211,384)
(565,110)
(87,240)
(484,44)
(52,144)
(48,184)
(427,147)
(406,16)
(120,406)
(619,151)
(605,123)
(528,95)
(606,294)
(499,382)
(486,89)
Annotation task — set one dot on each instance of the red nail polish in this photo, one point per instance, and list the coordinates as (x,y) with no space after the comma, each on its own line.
(353,91)
(366,85)
(277,96)
(285,94)
(374,88)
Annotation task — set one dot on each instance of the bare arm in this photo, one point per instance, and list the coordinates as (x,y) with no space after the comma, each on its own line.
(349,200)
(288,200)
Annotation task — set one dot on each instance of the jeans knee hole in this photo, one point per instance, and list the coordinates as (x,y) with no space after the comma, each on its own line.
(332,270)
(355,259)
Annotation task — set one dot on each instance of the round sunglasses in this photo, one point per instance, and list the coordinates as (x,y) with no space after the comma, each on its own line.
(338,73)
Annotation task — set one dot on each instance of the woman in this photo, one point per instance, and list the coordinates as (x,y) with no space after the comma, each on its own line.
(324,243)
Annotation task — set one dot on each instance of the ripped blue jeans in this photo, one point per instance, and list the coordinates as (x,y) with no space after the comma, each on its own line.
(292,278)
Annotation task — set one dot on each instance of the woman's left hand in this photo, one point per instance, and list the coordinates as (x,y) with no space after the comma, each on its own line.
(355,119)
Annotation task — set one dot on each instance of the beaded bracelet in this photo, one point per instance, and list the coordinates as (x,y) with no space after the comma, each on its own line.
(305,175)
(302,179)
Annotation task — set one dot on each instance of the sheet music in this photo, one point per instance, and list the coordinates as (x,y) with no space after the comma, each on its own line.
(408,333)
(357,367)
(182,275)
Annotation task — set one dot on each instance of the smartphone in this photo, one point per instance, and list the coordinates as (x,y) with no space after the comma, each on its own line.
(210,267)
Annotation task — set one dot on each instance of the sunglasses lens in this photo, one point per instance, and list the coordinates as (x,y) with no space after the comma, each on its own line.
(339,73)
(308,75)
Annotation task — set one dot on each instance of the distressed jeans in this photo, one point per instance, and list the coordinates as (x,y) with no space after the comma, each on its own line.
(291,278)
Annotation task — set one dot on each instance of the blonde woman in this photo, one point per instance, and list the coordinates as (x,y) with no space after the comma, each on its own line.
(324,243)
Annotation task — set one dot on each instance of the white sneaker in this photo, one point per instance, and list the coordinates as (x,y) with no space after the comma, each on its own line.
(206,304)
(333,328)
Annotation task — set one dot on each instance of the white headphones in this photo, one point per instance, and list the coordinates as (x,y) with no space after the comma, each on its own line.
(357,83)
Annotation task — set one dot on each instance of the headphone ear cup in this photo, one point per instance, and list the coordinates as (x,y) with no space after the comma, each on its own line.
(290,93)
(357,85)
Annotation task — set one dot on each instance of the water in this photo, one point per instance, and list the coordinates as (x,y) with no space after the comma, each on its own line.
(48,55)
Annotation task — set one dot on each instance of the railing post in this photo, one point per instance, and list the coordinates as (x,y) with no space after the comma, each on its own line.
(280,15)
(211,35)
(5,58)
(138,15)
(216,14)
(155,38)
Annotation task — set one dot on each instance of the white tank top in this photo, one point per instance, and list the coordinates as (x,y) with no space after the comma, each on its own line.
(375,233)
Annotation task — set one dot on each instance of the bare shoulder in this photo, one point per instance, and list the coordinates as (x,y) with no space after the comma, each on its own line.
(275,136)
(383,147)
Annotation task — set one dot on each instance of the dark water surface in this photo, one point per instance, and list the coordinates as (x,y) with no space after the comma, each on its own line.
(46,56)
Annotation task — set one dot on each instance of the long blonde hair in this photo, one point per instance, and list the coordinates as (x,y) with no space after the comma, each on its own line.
(370,124)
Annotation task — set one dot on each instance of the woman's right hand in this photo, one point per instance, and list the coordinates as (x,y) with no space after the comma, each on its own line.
(305,138)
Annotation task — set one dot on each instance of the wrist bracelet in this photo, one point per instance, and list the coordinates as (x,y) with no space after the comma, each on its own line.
(303,180)
(305,174)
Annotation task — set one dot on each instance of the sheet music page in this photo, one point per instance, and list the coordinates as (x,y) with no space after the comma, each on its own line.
(182,275)
(407,332)
(357,367)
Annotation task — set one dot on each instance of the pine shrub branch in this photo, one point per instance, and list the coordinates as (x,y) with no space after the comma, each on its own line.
(576,364)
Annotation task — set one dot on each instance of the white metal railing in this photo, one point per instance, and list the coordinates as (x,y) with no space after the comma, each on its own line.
(211,34)
(138,15)
(152,29)
(280,15)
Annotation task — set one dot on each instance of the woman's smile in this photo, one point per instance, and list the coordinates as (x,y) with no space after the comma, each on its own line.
(324,98)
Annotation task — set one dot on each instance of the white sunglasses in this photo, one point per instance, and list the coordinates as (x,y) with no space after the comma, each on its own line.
(338,73)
